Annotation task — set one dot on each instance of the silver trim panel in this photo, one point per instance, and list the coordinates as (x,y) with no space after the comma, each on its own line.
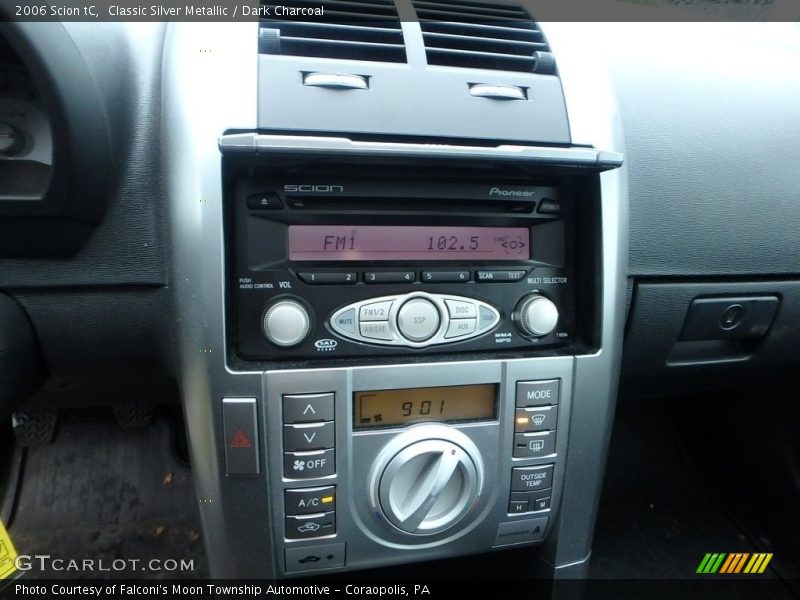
(263,143)
(337,81)
(497,92)
(395,337)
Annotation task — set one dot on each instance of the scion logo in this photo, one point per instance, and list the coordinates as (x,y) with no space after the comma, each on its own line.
(496,191)
(326,345)
(314,189)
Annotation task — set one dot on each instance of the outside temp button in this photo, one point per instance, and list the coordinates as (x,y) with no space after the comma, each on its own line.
(418,319)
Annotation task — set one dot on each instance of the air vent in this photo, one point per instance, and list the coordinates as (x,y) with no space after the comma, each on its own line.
(500,37)
(348,29)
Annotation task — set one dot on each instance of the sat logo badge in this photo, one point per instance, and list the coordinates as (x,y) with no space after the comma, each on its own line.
(326,345)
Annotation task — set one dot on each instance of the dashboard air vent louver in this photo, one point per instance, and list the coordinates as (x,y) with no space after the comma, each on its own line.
(350,29)
(500,37)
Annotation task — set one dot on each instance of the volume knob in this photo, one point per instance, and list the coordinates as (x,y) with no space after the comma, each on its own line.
(536,315)
(286,323)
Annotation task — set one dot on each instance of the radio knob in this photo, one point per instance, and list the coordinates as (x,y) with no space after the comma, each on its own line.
(286,323)
(429,486)
(536,315)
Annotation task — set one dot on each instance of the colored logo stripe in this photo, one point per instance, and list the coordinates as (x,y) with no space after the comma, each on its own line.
(758,563)
(711,563)
(734,563)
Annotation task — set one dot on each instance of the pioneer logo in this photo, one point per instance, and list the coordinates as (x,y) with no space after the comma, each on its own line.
(496,191)
(314,189)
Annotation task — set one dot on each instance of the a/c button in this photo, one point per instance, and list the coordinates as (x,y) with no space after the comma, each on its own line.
(307,501)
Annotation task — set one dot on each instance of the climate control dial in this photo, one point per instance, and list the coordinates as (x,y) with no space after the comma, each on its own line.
(427,480)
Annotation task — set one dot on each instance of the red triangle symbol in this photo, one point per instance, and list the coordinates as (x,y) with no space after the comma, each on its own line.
(240,440)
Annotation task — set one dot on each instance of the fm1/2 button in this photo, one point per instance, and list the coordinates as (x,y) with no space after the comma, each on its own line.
(418,319)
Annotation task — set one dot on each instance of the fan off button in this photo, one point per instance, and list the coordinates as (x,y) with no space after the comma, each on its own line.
(418,319)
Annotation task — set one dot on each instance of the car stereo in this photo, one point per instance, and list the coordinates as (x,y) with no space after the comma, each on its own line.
(332,265)
(416,326)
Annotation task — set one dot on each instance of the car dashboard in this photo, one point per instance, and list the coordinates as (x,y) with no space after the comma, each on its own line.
(398,269)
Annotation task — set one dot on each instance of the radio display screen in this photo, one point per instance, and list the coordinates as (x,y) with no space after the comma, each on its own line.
(377,242)
(387,408)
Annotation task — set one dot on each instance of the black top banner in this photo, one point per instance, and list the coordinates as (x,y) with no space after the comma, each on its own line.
(337,11)
(322,588)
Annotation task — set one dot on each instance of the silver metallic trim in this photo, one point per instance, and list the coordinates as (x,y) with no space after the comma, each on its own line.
(269,143)
(418,499)
(594,120)
(209,86)
(397,338)
(497,91)
(336,81)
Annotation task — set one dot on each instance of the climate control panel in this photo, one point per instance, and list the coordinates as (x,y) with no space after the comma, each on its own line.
(386,465)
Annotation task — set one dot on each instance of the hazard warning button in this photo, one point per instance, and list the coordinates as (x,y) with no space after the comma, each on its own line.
(241,437)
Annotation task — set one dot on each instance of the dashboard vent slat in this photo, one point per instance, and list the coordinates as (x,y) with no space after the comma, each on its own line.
(500,37)
(350,29)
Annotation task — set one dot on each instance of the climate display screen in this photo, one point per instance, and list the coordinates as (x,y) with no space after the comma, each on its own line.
(376,243)
(384,408)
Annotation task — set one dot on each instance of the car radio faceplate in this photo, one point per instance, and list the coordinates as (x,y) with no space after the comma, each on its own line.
(311,263)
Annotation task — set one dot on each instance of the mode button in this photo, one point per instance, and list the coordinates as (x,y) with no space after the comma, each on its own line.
(533,393)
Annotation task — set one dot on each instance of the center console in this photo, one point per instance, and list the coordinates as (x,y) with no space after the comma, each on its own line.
(396,309)
(394,349)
